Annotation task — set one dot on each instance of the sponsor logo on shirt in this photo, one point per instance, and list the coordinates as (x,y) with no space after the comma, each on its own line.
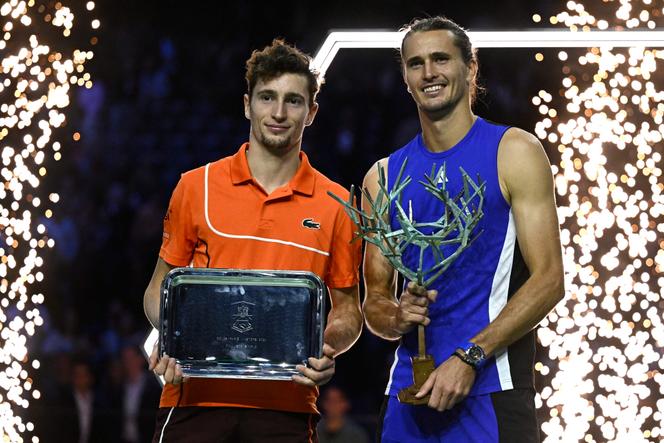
(310,223)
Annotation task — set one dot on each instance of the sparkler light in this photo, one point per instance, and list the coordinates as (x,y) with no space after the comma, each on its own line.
(603,375)
(39,67)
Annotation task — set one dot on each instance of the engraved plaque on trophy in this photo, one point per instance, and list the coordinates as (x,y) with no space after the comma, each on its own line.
(241,323)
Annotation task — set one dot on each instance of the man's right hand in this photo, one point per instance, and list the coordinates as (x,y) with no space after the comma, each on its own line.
(413,307)
(166,367)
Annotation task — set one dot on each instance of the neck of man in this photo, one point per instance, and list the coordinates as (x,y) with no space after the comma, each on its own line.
(443,130)
(271,169)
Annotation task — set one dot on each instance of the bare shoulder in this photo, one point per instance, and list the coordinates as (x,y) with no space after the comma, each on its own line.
(520,152)
(517,143)
(522,163)
(372,176)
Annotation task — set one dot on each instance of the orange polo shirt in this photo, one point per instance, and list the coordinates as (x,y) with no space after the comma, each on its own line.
(220,217)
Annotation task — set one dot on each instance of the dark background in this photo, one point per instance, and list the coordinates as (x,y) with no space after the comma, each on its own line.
(167,97)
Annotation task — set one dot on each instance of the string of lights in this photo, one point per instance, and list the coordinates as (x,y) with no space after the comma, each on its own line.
(40,68)
(602,375)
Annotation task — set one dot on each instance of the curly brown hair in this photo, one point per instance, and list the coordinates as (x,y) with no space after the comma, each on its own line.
(277,59)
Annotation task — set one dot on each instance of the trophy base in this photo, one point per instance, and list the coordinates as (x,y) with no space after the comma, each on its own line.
(423,366)
(407,396)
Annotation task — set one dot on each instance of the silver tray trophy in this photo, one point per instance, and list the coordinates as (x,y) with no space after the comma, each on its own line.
(241,323)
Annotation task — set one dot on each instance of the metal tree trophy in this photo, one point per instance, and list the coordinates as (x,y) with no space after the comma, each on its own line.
(455,226)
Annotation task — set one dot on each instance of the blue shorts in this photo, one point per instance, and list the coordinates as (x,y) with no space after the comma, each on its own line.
(507,416)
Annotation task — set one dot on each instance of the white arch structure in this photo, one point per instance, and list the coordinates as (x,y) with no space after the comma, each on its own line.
(337,40)
(551,38)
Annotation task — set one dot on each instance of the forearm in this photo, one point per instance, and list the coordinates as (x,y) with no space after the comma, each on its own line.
(380,314)
(531,303)
(344,325)
(380,305)
(152,296)
(151,307)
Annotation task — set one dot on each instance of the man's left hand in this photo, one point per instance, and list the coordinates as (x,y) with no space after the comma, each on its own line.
(320,370)
(448,384)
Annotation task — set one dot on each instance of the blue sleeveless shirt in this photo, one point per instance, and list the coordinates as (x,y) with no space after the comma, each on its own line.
(476,287)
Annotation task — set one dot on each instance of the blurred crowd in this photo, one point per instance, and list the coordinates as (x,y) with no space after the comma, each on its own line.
(162,104)
(85,403)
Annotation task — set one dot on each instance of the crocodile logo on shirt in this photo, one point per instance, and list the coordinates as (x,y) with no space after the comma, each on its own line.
(310,223)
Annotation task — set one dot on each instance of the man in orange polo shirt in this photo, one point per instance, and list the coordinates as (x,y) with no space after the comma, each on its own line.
(263,208)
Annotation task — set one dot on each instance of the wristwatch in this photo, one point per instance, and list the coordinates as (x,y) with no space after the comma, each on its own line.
(471,354)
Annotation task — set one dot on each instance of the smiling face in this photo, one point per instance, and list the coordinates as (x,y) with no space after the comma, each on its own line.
(279,110)
(435,72)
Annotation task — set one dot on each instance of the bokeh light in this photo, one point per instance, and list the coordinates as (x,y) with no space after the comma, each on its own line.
(603,375)
(39,64)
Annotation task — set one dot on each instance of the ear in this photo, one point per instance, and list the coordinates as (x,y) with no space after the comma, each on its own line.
(472,71)
(247,107)
(311,114)
(403,76)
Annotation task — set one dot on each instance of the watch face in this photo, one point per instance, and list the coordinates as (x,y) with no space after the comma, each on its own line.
(475,353)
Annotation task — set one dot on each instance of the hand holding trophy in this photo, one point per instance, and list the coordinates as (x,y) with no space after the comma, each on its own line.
(445,238)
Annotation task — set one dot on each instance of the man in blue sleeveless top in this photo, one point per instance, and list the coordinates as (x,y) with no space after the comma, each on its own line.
(480,314)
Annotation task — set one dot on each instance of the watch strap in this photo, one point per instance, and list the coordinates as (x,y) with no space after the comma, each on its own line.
(464,358)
